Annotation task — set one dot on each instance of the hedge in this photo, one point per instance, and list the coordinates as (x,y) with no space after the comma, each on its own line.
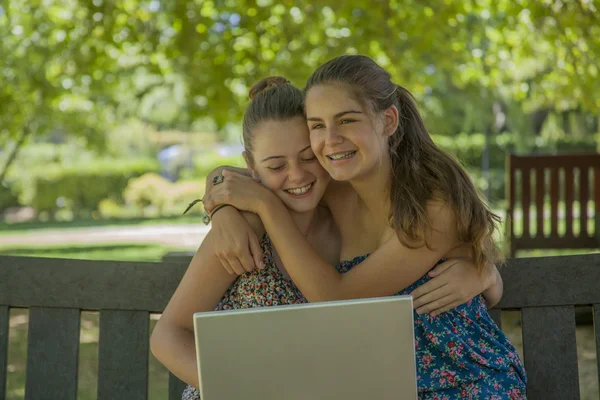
(82,187)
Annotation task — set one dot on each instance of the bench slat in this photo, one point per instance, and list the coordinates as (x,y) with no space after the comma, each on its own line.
(578,159)
(597,332)
(584,196)
(511,195)
(526,201)
(540,190)
(551,281)
(4,323)
(550,353)
(554,188)
(123,355)
(569,200)
(52,353)
(597,203)
(539,242)
(541,281)
(87,284)
(176,387)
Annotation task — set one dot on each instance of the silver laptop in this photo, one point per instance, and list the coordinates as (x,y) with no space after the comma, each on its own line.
(346,350)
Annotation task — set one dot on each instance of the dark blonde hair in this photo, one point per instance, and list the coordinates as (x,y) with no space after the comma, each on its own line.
(421,172)
(272,98)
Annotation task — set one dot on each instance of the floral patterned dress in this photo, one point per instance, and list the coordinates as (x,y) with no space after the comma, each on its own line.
(259,288)
(462,354)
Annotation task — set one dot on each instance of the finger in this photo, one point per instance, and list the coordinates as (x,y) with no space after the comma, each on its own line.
(226,173)
(444,309)
(428,287)
(212,200)
(208,203)
(439,303)
(226,265)
(441,268)
(430,297)
(237,266)
(256,251)
(247,261)
(425,302)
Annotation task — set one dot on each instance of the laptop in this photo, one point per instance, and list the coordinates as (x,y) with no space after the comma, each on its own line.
(346,350)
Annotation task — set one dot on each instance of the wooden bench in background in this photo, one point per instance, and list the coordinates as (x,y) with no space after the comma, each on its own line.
(55,291)
(569,178)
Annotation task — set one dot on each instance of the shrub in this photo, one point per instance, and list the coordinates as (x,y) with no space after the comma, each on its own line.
(82,187)
(148,190)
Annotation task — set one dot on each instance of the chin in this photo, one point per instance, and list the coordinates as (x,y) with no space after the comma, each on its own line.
(301,206)
(342,176)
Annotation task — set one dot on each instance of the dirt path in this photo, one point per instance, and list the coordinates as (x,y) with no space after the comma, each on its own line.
(170,235)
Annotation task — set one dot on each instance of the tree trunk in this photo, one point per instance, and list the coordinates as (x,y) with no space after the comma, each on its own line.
(13,154)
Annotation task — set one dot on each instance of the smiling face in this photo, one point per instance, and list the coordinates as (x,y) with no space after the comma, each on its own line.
(285,163)
(347,139)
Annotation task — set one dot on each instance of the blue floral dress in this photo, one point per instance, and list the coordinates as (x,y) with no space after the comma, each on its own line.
(462,354)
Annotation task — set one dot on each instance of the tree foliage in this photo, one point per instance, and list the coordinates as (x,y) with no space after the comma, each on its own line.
(79,67)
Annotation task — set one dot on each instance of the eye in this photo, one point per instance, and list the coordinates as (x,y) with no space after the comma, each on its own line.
(276,168)
(310,159)
(317,126)
(347,121)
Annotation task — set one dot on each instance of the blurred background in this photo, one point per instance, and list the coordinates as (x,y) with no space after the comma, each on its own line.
(112,112)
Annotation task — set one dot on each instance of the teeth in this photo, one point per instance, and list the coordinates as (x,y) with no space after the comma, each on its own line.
(301,190)
(341,156)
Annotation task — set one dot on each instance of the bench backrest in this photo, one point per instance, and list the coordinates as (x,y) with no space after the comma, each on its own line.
(56,291)
(558,179)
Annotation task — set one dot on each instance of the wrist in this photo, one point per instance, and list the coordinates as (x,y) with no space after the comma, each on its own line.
(267,200)
(225,211)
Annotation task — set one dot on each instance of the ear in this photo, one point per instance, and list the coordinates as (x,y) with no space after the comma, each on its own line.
(249,164)
(391,120)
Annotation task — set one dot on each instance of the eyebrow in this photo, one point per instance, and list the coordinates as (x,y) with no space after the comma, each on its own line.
(336,115)
(274,157)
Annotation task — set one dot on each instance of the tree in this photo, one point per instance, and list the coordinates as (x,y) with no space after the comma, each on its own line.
(78,67)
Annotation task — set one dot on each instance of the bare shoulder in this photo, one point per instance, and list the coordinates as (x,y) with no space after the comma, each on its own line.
(442,231)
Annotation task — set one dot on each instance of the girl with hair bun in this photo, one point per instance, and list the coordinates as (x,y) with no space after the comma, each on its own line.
(278,153)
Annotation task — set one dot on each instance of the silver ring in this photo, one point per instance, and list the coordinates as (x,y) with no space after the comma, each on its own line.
(206,219)
(218,179)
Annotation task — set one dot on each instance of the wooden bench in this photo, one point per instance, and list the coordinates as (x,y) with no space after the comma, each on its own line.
(563,177)
(545,290)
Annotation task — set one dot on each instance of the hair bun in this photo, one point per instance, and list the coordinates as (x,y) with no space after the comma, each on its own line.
(266,84)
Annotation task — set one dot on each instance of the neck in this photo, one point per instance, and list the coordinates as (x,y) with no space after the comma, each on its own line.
(303,219)
(373,189)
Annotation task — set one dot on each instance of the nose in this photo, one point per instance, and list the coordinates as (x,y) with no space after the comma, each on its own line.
(296,173)
(332,136)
